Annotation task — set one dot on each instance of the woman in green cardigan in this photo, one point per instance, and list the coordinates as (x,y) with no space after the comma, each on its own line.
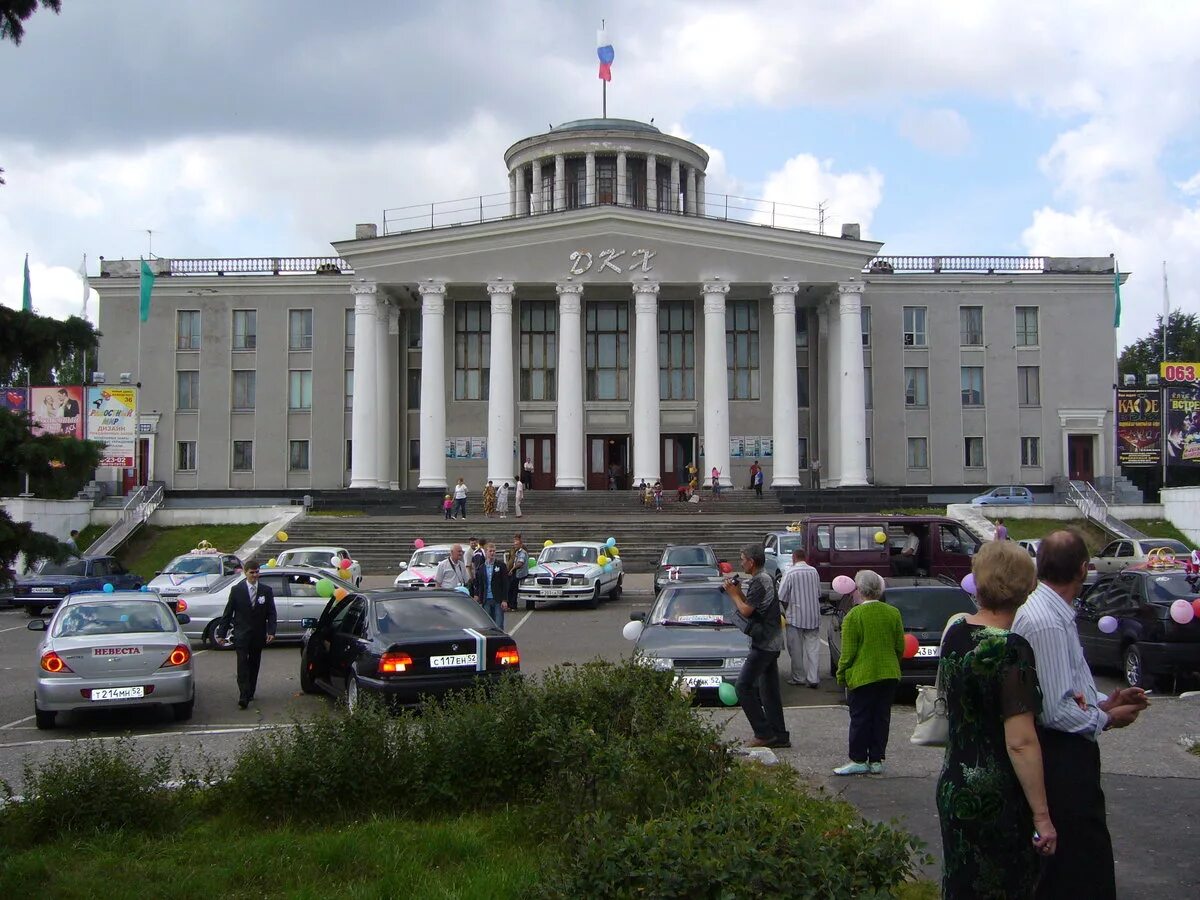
(872,645)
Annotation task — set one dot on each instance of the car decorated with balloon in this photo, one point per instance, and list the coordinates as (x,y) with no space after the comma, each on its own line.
(52,581)
(300,592)
(576,570)
(419,571)
(334,560)
(198,571)
(1143,621)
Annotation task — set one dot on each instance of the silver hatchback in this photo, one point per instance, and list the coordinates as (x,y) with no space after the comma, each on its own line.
(106,650)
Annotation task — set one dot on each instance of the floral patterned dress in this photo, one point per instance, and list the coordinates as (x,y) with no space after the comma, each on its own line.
(988,675)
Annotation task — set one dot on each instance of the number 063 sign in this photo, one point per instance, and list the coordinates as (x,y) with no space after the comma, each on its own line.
(1179,372)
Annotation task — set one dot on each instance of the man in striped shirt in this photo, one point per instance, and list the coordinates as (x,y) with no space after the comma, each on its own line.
(800,596)
(1072,717)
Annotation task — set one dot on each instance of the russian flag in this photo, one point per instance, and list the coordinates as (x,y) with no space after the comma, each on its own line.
(604,50)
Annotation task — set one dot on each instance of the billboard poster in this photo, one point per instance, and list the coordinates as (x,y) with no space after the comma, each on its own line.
(112,420)
(479,448)
(14,399)
(735,447)
(766,447)
(750,447)
(462,448)
(57,410)
(1182,419)
(1139,428)
(1179,372)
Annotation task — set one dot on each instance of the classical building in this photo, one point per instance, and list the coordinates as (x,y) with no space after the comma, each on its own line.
(607,320)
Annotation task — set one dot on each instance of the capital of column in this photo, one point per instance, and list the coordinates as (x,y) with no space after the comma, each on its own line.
(433,298)
(502,298)
(786,287)
(850,297)
(646,287)
(718,287)
(364,287)
(382,312)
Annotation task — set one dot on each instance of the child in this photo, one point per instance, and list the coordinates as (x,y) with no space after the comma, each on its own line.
(447,505)
(658,495)
(647,495)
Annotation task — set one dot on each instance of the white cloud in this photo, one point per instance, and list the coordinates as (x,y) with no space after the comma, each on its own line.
(942,131)
(805,181)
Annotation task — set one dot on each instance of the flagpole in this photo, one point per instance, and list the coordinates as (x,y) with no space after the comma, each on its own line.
(604,84)
(1162,390)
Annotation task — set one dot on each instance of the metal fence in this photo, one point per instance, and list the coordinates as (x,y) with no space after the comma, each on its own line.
(987,265)
(263,265)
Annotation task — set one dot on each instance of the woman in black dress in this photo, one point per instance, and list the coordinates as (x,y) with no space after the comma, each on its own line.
(991,797)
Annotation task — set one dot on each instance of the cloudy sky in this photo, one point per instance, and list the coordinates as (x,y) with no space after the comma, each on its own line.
(271,128)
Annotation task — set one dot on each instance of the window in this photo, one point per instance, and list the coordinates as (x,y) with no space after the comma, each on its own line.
(187,331)
(803,453)
(243,456)
(472,347)
(914,326)
(607,356)
(973,452)
(741,348)
(350,328)
(298,456)
(856,537)
(300,330)
(869,466)
(300,389)
(606,179)
(676,350)
(414,454)
(349,454)
(348,400)
(414,388)
(1027,326)
(186,457)
(866,326)
(539,349)
(916,387)
(972,385)
(244,384)
(1029,386)
(802,387)
(1031,451)
(918,453)
(245,329)
(187,390)
(801,330)
(867,389)
(970,322)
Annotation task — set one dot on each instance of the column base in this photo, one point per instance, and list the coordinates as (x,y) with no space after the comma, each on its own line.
(363,482)
(785,481)
(498,480)
(853,482)
(393,485)
(569,484)
(439,483)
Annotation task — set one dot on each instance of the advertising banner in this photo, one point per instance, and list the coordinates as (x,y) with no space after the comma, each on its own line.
(1179,372)
(112,420)
(57,410)
(15,399)
(1139,428)
(1182,420)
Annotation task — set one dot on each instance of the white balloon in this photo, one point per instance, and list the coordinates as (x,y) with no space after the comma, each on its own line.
(632,630)
(1107,624)
(1182,612)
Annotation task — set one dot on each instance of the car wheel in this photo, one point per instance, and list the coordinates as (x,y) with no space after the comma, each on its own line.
(183,711)
(618,589)
(209,639)
(594,600)
(308,683)
(1135,669)
(45,718)
(33,611)
(352,693)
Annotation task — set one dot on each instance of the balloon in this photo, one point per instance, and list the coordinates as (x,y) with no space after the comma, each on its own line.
(1182,612)
(601,560)
(145,589)
(548,543)
(340,594)
(272,563)
(631,631)
(1107,624)
(881,537)
(419,543)
(108,589)
(968,583)
(911,646)
(345,564)
(611,542)
(533,563)
(724,568)
(281,536)
(325,588)
(1196,606)
(613,551)
(728,693)
(462,589)
(335,561)
(843,585)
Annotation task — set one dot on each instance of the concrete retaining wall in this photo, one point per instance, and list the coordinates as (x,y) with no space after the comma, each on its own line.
(57,518)
(1066,511)
(204,515)
(1182,507)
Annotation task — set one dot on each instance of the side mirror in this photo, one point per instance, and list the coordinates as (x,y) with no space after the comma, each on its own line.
(37,625)
(183,618)
(403,566)
(769,551)
(308,623)
(637,617)
(159,572)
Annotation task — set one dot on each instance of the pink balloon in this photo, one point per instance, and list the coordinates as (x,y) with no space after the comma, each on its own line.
(418,543)
(1182,612)
(1196,606)
(1107,624)
(345,564)
(843,585)
(968,583)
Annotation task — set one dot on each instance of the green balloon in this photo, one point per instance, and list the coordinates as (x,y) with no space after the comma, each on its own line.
(325,588)
(728,694)
(533,563)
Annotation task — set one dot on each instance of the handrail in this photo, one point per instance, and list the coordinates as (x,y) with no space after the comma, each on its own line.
(136,512)
(1088,500)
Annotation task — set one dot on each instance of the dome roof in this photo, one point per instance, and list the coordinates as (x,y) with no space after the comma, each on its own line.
(605,125)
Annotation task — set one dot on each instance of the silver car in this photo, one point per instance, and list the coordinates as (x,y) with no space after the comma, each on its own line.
(120,649)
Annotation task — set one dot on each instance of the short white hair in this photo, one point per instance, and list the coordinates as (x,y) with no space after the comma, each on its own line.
(870,584)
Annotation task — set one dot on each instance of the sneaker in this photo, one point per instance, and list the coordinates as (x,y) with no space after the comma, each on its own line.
(852,768)
(242,704)
(780,743)
(876,768)
(760,742)
(793,682)
(814,685)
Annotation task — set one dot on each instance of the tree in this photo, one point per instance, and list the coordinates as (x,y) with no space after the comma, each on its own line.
(13,14)
(57,466)
(1141,358)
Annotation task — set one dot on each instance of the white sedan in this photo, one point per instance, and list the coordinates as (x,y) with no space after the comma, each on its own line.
(572,571)
(328,558)
(421,567)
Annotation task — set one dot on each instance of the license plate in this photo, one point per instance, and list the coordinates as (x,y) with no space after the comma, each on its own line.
(450,662)
(551,592)
(42,590)
(702,681)
(121,693)
(927,651)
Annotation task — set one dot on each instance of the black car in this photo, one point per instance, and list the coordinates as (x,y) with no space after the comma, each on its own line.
(53,581)
(684,563)
(403,646)
(926,605)
(1147,643)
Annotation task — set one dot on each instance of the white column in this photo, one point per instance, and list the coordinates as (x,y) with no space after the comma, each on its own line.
(674,185)
(522,193)
(651,181)
(501,410)
(716,386)
(690,191)
(384,401)
(569,439)
(832,464)
(622,180)
(537,187)
(854,392)
(647,463)
(784,415)
(393,400)
(432,473)
(560,182)
(512,193)
(590,174)
(364,418)
(701,209)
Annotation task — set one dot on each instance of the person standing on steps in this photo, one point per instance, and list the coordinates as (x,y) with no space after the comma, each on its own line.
(518,497)
(250,614)
(460,498)
(758,483)
(815,472)
(754,470)
(489,500)
(716,483)
(447,506)
(527,474)
(502,500)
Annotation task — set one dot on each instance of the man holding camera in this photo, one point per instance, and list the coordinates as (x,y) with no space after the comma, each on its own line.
(758,682)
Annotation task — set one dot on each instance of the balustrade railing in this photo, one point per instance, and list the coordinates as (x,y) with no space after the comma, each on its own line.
(263,265)
(988,265)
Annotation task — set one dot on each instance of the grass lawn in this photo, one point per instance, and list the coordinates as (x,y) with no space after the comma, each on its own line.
(472,856)
(153,547)
(1159,528)
(88,535)
(1020,529)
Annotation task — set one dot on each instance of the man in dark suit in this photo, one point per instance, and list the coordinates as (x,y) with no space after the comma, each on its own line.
(250,613)
(490,586)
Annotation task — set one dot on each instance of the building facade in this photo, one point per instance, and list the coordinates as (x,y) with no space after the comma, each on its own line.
(610,322)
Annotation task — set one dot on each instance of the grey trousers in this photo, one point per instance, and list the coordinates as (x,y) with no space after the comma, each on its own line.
(804,652)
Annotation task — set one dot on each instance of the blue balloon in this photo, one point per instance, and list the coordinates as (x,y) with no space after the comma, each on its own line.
(611,542)
(463,590)
(145,589)
(108,588)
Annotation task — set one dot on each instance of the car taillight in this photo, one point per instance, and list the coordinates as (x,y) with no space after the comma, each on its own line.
(178,657)
(394,663)
(508,656)
(181,606)
(54,663)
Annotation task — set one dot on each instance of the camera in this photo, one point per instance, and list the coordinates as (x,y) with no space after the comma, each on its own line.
(736,579)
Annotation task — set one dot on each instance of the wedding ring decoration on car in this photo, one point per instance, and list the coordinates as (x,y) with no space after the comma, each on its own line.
(1161,558)
(794,527)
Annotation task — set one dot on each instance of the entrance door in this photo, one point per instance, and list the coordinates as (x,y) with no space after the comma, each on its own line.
(539,448)
(1079,457)
(677,451)
(608,462)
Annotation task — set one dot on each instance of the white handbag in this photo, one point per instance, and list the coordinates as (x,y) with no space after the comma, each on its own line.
(933,720)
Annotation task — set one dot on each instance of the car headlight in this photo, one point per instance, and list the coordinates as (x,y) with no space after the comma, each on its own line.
(735,662)
(578,579)
(657,663)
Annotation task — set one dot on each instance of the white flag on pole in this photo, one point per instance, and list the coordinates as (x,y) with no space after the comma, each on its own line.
(87,288)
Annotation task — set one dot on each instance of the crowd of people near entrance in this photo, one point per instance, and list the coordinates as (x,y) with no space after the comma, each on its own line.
(493,580)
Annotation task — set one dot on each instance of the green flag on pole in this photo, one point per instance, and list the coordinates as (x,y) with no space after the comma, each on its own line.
(147,286)
(26,293)
(1117,294)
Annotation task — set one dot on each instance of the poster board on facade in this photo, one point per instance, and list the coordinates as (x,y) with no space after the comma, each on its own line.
(478,448)
(449,448)
(14,399)
(1139,428)
(57,411)
(1182,421)
(462,448)
(112,420)
(735,447)
(750,447)
(766,447)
